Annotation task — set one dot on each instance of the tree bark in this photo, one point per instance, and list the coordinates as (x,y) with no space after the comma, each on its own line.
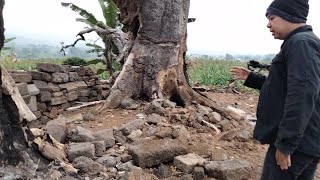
(17,157)
(155,65)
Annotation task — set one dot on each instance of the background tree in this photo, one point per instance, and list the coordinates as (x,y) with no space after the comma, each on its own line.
(154,68)
(109,31)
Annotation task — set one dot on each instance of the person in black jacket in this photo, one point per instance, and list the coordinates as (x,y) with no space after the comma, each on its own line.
(288,111)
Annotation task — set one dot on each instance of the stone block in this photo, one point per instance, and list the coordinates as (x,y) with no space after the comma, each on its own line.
(153,152)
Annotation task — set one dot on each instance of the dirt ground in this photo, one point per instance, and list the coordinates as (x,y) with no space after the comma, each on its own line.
(250,151)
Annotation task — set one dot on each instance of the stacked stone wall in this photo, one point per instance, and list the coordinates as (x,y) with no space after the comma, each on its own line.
(51,88)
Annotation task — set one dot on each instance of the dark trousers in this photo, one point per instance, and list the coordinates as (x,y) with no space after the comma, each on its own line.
(303,167)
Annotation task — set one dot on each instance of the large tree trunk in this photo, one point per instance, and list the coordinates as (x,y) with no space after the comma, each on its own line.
(17,158)
(155,65)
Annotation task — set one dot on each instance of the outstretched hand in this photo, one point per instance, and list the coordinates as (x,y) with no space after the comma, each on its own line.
(239,73)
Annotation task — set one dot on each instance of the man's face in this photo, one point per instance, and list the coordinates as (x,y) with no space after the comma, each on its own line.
(278,27)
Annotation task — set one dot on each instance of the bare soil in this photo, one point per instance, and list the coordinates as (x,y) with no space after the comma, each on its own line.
(250,151)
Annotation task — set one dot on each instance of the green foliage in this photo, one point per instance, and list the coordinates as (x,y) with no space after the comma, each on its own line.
(208,71)
(6,48)
(110,12)
(75,61)
(88,17)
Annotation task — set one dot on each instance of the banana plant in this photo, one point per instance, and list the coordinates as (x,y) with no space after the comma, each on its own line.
(110,14)
(7,41)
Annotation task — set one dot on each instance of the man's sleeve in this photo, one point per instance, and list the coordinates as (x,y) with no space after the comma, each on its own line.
(302,91)
(255,80)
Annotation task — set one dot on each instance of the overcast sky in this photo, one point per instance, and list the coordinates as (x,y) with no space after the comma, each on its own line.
(221,26)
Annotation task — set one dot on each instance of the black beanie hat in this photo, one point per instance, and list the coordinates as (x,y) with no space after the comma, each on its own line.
(295,11)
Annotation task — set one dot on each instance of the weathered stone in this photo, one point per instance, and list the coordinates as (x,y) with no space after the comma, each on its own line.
(89,116)
(80,85)
(203,110)
(163,132)
(73,76)
(71,96)
(107,161)
(57,94)
(64,106)
(42,106)
(33,104)
(119,137)
(60,77)
(154,119)
(21,77)
(46,67)
(99,147)
(198,173)
(106,135)
(136,173)
(66,68)
(155,107)
(42,76)
(87,165)
(133,125)
(218,154)
(93,93)
(84,92)
(44,96)
(153,152)
(23,88)
(214,117)
(79,69)
(83,99)
(33,90)
(127,166)
(187,162)
(125,158)
(37,114)
(81,134)
(41,85)
(26,98)
(163,171)
(91,82)
(225,125)
(135,135)
(75,117)
(57,129)
(58,100)
(228,170)
(80,149)
(53,87)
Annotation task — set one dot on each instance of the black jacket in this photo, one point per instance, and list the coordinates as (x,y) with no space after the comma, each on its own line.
(288,112)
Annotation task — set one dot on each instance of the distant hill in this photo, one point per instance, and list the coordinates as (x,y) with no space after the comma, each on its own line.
(35,48)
